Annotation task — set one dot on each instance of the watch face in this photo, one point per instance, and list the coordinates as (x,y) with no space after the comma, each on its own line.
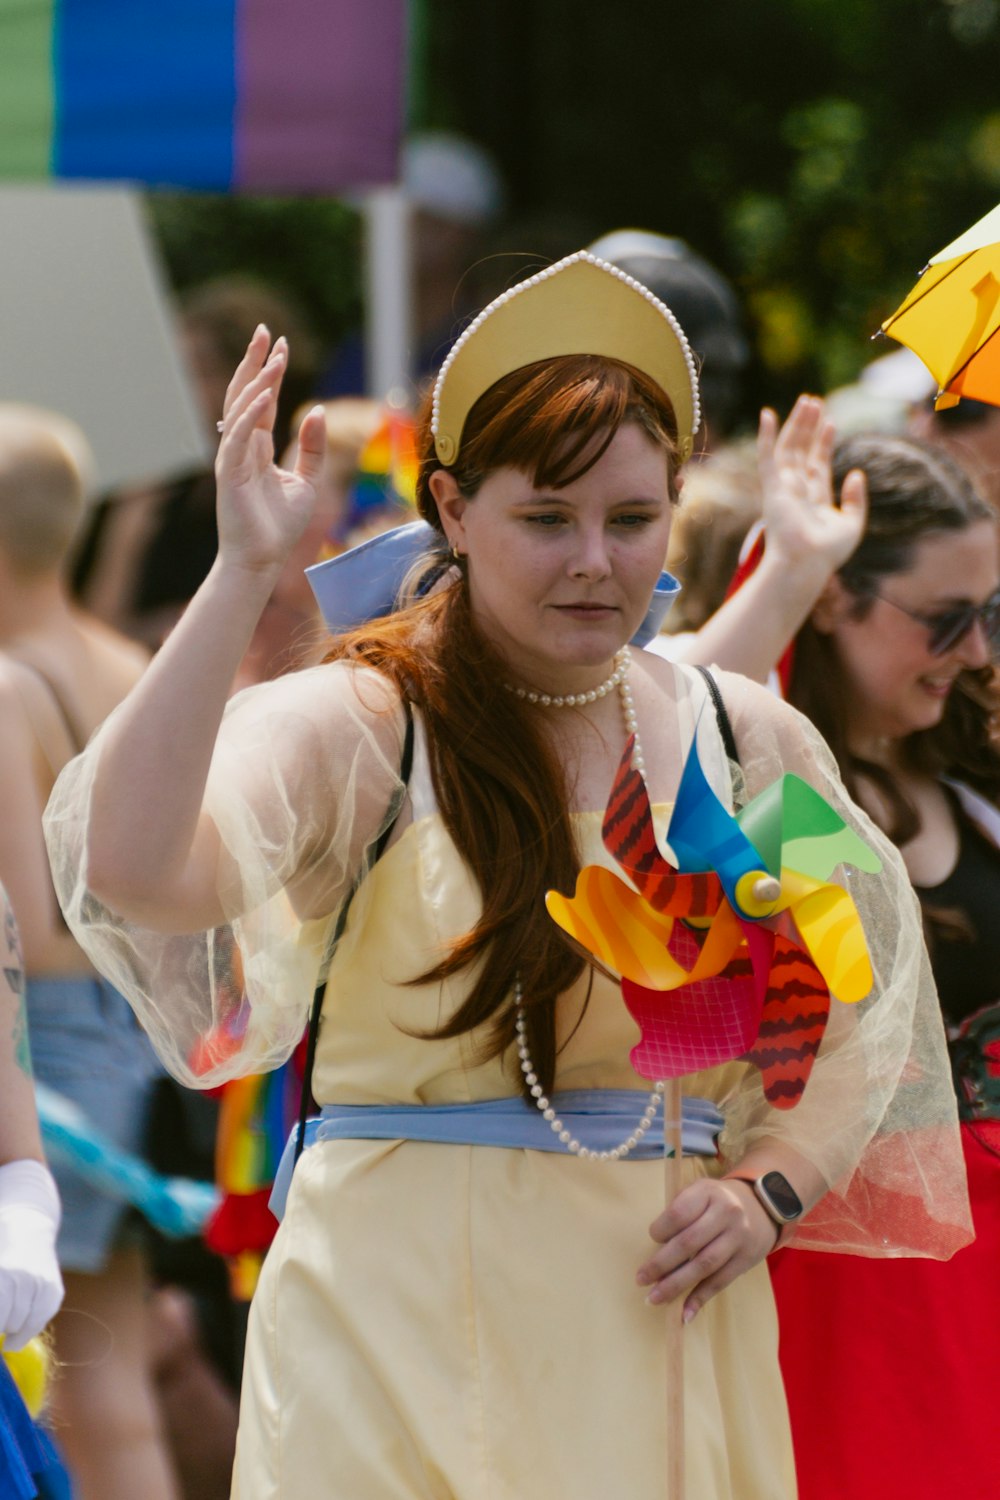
(781,1193)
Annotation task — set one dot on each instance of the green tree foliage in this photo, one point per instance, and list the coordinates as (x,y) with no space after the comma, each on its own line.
(308,248)
(818,151)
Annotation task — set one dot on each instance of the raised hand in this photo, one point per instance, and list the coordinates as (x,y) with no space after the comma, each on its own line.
(262,509)
(807,525)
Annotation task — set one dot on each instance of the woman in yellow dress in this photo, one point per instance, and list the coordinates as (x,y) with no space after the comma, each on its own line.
(466,1296)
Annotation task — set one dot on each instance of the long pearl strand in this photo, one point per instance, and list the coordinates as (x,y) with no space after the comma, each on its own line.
(643,1125)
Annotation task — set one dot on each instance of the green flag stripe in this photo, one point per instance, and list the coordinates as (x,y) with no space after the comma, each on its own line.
(27,105)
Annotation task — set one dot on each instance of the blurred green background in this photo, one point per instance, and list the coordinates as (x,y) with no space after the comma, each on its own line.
(818,151)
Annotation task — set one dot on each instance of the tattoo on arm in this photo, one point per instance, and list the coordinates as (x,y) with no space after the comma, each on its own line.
(13,972)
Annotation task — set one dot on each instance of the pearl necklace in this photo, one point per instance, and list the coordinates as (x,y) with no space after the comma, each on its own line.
(619,679)
(577,700)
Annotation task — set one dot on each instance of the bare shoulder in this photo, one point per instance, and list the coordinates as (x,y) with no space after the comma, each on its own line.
(20,696)
(748,703)
(126,658)
(15,720)
(659,672)
(679,680)
(771,735)
(12,709)
(751,702)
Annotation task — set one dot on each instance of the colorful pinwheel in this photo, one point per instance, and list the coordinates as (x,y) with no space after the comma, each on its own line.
(747,924)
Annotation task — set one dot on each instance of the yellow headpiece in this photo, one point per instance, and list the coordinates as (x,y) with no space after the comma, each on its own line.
(581,305)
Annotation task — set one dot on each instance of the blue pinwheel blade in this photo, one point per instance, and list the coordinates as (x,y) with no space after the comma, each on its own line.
(704,835)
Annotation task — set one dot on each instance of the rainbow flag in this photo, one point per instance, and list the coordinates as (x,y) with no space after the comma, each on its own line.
(265,96)
(385,481)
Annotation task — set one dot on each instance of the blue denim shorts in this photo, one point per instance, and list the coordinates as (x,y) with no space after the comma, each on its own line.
(87,1045)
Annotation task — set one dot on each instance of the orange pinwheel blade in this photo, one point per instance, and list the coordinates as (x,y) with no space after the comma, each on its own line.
(620,929)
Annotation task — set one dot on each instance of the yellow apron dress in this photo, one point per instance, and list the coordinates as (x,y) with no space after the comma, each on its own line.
(458,1322)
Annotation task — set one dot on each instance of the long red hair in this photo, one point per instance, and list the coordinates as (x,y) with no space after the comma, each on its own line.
(501,791)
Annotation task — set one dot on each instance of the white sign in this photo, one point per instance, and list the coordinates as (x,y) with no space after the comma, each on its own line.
(87,329)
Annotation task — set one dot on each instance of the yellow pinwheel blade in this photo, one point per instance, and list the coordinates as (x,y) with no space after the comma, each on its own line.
(831,930)
(615,924)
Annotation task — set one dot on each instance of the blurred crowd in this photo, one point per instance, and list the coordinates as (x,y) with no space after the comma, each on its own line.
(147,1343)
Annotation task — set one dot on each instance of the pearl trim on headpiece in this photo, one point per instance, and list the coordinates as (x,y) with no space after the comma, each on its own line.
(547,274)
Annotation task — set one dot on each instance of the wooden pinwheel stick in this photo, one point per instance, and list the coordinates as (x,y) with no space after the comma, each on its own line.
(673,1153)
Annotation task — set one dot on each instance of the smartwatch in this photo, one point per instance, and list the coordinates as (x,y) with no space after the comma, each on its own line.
(779,1198)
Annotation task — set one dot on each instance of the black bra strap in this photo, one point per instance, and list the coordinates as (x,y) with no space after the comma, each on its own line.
(722,716)
(405,768)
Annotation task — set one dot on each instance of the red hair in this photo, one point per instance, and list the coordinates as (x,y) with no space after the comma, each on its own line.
(552,420)
(501,790)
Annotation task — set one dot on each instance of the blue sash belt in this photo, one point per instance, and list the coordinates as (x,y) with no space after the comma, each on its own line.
(598,1118)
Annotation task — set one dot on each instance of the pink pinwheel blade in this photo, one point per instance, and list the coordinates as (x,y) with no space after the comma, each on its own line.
(707,1022)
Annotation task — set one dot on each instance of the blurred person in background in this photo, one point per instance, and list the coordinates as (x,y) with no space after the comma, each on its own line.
(146,549)
(895,668)
(750,600)
(456,197)
(723,503)
(895,393)
(31,1288)
(706,306)
(970,432)
(61,674)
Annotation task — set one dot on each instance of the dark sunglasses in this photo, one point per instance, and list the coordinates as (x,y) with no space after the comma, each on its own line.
(946,628)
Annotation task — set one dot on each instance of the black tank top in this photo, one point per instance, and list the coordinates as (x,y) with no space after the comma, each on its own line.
(967,967)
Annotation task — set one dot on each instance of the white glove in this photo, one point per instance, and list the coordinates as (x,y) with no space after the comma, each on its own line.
(31,1289)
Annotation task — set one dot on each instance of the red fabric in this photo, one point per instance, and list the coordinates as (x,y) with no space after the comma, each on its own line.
(241,1222)
(891,1365)
(744,568)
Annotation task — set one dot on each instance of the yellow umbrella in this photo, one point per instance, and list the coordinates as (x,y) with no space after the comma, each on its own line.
(951,318)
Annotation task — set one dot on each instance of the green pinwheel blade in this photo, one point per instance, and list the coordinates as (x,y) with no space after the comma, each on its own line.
(795,826)
(761,820)
(820,856)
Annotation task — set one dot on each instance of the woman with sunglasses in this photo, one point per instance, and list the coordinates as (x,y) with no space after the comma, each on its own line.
(890,1366)
(467,1292)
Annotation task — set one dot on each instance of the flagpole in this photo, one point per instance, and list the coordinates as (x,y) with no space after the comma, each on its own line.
(388,292)
(672,1156)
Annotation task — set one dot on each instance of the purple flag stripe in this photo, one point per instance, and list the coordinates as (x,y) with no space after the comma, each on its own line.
(319,94)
